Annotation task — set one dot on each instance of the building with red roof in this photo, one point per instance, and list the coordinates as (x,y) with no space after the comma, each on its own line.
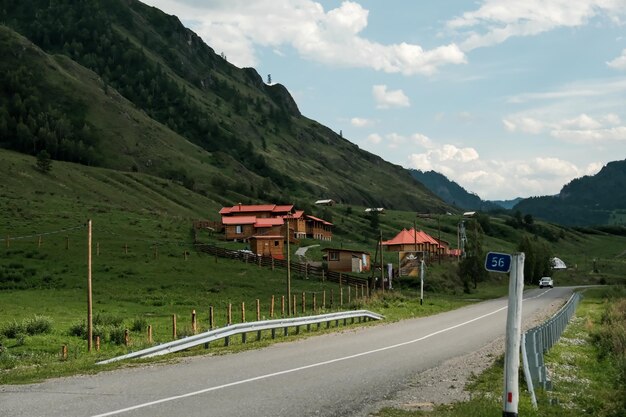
(412,240)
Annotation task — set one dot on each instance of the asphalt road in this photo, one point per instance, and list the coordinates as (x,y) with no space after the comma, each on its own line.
(339,374)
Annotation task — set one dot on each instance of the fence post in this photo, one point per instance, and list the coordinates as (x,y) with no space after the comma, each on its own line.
(282,306)
(194,323)
(303,302)
(63,352)
(341,296)
(97,343)
(149,333)
(126,337)
(174,326)
(295,306)
(211,318)
(272,308)
(349,293)
(314,303)
(324,300)
(243,320)
(332,297)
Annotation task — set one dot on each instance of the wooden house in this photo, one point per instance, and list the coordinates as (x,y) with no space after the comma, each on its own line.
(347,260)
(318,229)
(326,202)
(412,240)
(297,224)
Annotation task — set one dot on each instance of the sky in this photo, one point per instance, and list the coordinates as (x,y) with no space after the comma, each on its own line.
(508,98)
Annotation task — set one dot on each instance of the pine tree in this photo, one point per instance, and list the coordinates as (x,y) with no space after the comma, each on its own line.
(44,162)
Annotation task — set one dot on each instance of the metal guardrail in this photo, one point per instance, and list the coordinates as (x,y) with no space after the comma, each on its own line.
(540,339)
(243,328)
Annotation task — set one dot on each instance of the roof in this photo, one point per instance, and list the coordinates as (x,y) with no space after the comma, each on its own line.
(296,215)
(272,208)
(345,250)
(411,237)
(370,209)
(327,201)
(238,220)
(308,216)
(269,222)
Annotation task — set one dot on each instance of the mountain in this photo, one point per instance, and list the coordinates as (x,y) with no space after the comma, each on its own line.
(451,192)
(506,204)
(590,200)
(121,85)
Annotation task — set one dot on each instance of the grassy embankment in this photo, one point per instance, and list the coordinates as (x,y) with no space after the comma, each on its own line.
(587,369)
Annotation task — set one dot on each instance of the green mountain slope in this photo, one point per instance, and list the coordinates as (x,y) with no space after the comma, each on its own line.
(591,200)
(122,85)
(451,192)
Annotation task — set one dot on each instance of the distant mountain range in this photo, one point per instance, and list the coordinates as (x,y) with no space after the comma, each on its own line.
(591,200)
(452,193)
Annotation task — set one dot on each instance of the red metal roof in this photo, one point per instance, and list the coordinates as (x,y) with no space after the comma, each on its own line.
(308,216)
(272,208)
(239,220)
(410,237)
(269,222)
(296,215)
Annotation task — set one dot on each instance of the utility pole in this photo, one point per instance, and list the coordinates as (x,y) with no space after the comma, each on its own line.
(422,282)
(89,299)
(288,269)
(382,271)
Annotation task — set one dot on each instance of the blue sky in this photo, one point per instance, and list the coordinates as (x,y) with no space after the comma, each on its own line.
(508,98)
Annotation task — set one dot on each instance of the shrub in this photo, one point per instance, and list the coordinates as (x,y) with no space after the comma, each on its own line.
(13,329)
(38,325)
(139,324)
(117,335)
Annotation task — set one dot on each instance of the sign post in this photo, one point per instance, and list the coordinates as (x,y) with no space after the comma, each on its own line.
(421,282)
(500,262)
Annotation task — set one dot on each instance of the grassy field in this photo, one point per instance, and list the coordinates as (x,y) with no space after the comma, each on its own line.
(141,275)
(586,368)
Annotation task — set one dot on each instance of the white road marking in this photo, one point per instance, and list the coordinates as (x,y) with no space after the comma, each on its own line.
(301,368)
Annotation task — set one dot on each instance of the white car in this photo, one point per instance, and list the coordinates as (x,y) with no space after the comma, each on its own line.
(546,282)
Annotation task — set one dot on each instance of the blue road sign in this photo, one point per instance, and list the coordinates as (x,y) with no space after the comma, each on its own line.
(498,262)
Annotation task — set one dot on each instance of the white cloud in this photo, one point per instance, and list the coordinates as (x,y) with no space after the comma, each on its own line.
(422,140)
(374,138)
(387,99)
(360,122)
(495,21)
(499,178)
(332,37)
(581,129)
(618,63)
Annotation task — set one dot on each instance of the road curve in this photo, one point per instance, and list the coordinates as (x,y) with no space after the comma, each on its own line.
(338,374)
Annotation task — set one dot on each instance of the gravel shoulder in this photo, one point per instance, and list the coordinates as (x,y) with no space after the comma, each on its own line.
(447,382)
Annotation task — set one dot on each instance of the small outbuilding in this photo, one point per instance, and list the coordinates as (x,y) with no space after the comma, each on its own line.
(347,260)
(267,245)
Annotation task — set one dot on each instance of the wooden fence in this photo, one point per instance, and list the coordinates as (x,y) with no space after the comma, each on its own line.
(303,269)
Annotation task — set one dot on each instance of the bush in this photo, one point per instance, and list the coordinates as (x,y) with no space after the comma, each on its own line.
(38,325)
(13,329)
(117,335)
(139,324)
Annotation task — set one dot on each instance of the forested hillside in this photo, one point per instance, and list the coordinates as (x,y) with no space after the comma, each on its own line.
(122,85)
(590,200)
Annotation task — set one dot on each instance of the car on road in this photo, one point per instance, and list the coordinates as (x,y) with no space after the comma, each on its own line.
(546,282)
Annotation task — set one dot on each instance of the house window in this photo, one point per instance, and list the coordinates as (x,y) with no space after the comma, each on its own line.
(333,256)
(276,243)
(238,230)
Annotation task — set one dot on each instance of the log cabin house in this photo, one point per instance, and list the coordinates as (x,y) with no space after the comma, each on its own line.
(346,260)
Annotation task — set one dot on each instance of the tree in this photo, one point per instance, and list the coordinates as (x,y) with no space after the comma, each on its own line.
(44,162)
